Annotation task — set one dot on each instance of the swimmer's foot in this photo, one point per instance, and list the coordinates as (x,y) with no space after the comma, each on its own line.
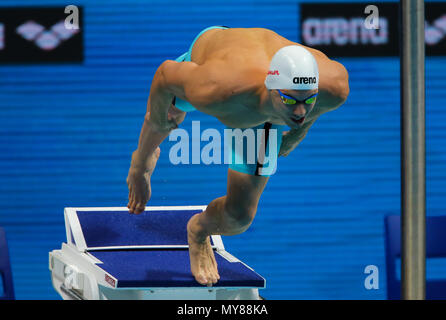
(202,259)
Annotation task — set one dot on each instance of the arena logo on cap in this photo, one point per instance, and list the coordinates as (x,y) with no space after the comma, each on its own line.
(273,72)
(304,80)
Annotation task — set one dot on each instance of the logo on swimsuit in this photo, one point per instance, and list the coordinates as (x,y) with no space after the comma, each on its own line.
(273,72)
(304,80)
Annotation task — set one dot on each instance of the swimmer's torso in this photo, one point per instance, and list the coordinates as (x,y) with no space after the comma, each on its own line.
(231,45)
(236,61)
(243,57)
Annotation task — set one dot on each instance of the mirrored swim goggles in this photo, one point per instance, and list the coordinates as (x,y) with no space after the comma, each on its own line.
(290,100)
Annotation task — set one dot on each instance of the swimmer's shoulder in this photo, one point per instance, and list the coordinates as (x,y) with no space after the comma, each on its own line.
(244,81)
(215,80)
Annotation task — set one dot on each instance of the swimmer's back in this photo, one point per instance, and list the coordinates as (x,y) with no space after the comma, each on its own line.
(238,45)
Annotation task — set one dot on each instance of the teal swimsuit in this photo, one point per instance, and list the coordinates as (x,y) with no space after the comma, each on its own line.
(239,159)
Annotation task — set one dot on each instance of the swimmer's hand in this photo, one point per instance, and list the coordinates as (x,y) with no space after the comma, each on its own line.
(138,182)
(139,191)
(290,140)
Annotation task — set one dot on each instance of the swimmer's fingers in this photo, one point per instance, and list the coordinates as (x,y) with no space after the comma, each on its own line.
(139,202)
(135,205)
(139,191)
(284,151)
(132,202)
(139,208)
(288,145)
(130,198)
(142,199)
(129,185)
(129,204)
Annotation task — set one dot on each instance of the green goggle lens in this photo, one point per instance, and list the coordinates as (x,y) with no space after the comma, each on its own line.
(310,100)
(288,101)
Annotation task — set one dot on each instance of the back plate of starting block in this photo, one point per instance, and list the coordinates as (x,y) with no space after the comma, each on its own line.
(92,229)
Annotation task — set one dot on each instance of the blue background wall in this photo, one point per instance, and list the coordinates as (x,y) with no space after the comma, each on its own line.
(67,133)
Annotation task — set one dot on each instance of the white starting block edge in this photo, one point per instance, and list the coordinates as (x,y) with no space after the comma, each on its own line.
(75,273)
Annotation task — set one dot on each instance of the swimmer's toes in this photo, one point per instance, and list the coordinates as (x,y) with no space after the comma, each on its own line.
(201,279)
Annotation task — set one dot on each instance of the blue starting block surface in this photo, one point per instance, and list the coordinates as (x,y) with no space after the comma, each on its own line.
(149,250)
(169,268)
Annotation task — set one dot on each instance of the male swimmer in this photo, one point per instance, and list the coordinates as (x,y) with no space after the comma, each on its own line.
(246,78)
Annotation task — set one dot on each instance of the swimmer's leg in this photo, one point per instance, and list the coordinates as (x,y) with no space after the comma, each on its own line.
(228,215)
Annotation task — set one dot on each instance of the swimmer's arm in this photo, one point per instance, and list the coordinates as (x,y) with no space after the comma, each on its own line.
(333,86)
(172,78)
(157,125)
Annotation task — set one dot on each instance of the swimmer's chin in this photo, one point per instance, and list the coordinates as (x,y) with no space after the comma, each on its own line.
(293,125)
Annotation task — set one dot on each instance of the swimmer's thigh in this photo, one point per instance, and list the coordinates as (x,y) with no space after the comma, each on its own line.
(243,193)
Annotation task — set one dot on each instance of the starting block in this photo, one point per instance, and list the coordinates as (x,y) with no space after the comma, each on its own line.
(111,254)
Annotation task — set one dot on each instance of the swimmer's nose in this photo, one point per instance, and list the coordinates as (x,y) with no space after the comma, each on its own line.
(299,111)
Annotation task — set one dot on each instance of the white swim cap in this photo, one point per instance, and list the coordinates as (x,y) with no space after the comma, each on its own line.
(293,68)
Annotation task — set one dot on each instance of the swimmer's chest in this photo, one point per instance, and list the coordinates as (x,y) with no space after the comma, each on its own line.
(235,111)
(234,115)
